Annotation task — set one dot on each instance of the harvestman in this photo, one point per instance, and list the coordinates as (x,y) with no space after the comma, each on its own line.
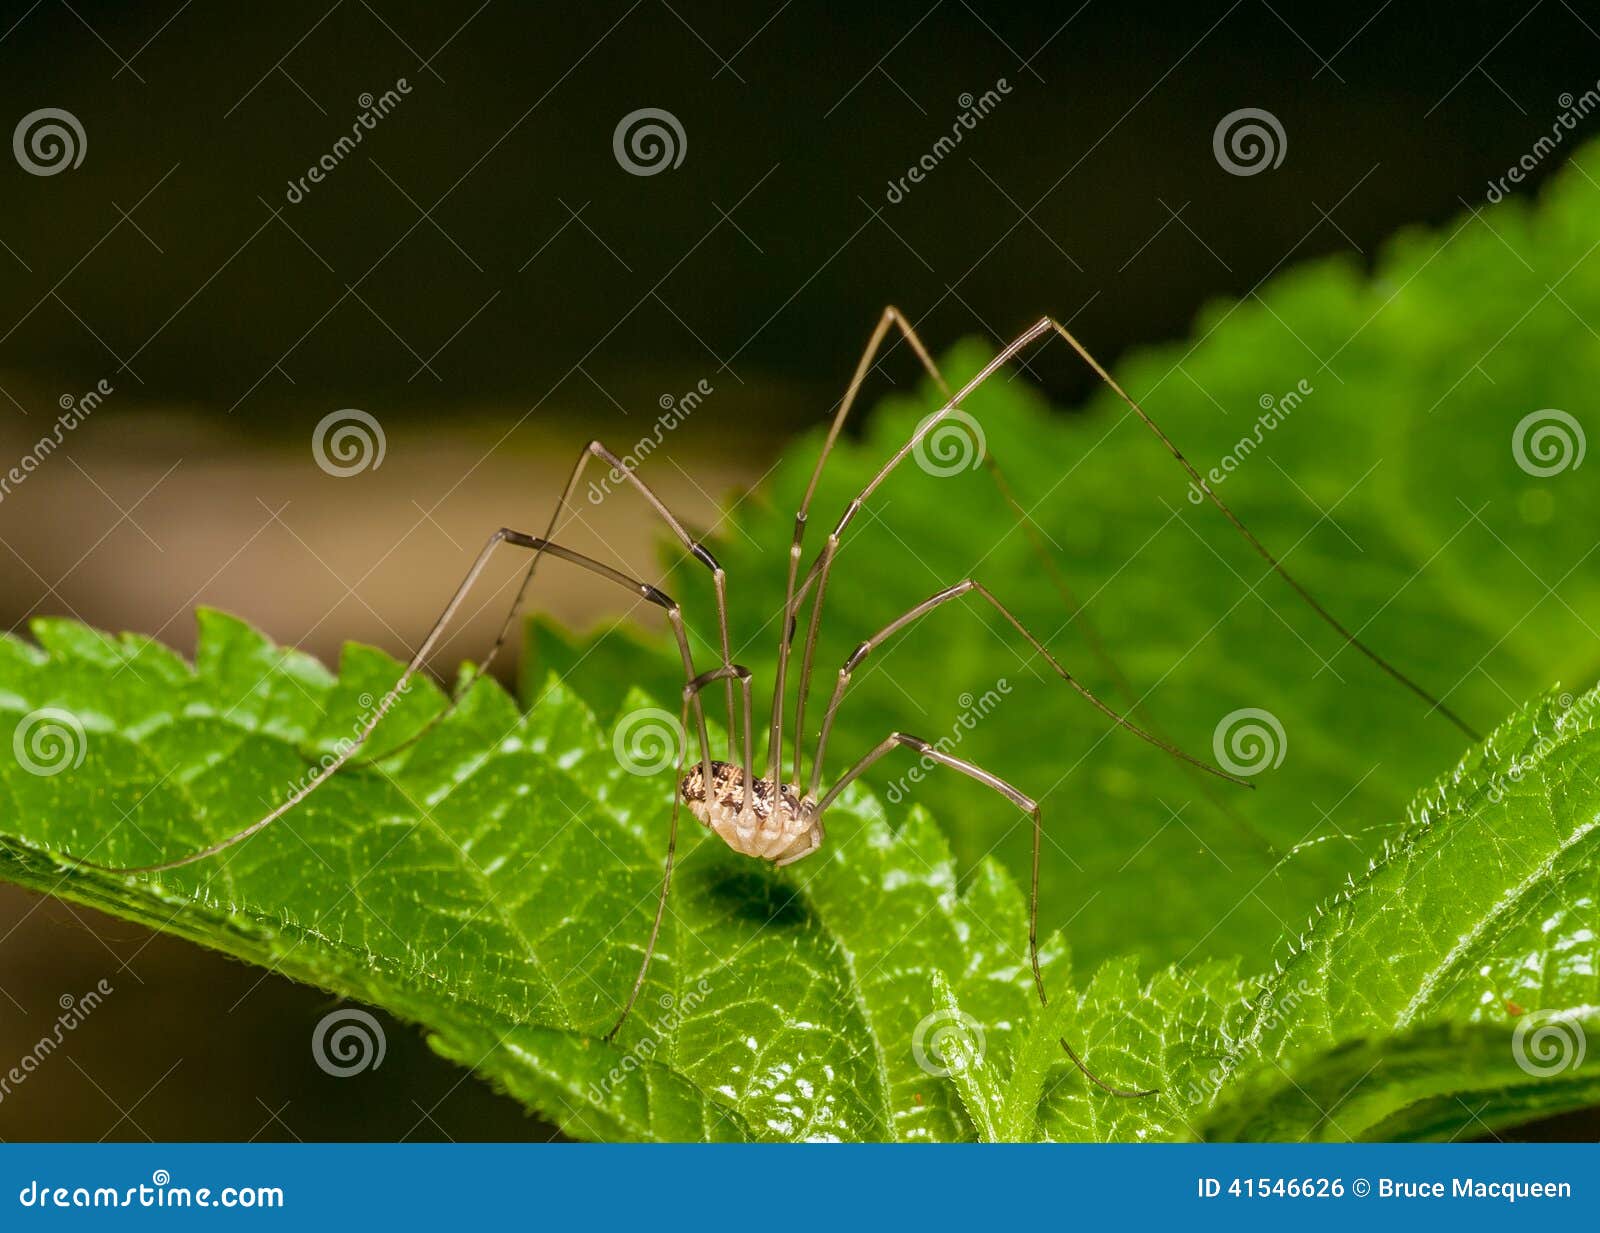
(775,820)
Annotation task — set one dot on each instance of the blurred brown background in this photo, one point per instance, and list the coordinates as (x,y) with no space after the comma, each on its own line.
(483,277)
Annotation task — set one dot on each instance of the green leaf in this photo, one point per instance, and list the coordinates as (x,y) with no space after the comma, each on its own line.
(494,883)
(1392,490)
(1481,915)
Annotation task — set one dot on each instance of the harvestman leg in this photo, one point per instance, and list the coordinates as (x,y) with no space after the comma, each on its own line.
(891,317)
(821,565)
(972,586)
(518,539)
(691,690)
(1023,802)
(696,549)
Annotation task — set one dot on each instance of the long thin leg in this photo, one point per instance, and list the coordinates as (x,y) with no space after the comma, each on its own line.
(1261,549)
(1023,802)
(690,690)
(742,674)
(695,548)
(818,837)
(891,317)
(790,602)
(818,571)
(1120,684)
(666,884)
(972,586)
(519,539)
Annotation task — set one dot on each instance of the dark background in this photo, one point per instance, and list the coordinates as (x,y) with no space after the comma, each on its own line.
(483,276)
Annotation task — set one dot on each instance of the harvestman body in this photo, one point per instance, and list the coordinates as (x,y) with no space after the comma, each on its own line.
(777,820)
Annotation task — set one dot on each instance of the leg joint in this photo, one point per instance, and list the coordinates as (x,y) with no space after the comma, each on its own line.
(693,687)
(520,538)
